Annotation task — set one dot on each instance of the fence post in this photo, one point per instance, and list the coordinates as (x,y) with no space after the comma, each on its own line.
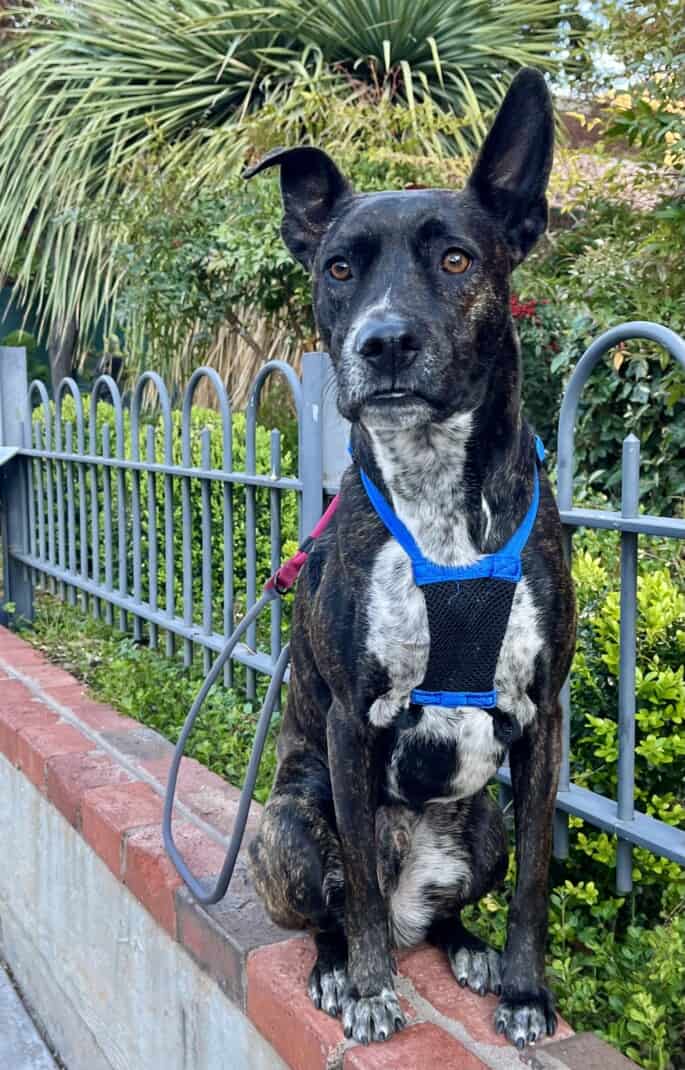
(630,506)
(311,440)
(17,581)
(336,435)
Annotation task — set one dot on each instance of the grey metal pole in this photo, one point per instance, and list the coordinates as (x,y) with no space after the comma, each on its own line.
(18,585)
(314,370)
(630,500)
(336,434)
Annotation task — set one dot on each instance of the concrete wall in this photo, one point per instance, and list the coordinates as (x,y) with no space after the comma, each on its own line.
(112,989)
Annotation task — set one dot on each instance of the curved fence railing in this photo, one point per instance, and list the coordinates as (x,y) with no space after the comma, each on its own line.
(168,519)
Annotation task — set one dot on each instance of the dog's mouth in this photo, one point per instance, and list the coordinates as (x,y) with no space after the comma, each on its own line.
(395,397)
(390,409)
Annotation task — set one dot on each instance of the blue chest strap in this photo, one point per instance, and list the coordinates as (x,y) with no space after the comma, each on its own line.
(468,607)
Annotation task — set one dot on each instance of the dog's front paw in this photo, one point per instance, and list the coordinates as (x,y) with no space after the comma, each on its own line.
(367,1018)
(477,967)
(527,1017)
(326,987)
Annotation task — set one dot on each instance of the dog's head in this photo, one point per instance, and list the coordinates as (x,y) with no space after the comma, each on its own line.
(411,291)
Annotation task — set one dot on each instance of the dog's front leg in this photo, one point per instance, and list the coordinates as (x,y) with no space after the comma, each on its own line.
(526,1010)
(371,1010)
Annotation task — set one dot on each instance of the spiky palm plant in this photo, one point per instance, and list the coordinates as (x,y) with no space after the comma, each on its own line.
(90,85)
(455,51)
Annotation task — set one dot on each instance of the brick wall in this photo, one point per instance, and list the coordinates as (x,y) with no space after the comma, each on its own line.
(105,775)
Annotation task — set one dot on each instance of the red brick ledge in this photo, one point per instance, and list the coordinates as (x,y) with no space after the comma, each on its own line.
(106,775)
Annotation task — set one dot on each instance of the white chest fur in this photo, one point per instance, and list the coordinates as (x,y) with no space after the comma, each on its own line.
(428,502)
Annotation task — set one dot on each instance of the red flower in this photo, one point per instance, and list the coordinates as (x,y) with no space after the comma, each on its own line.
(522,310)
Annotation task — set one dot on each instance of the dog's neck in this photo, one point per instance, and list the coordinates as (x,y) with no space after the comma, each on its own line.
(423,472)
(460,486)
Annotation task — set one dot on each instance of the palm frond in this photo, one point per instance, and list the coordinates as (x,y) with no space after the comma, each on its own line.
(91,86)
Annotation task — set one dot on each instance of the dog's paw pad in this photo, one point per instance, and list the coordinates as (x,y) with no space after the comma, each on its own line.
(477,968)
(370,1018)
(525,1019)
(326,986)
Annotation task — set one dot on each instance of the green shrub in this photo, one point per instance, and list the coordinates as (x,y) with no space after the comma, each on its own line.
(155,690)
(610,265)
(545,329)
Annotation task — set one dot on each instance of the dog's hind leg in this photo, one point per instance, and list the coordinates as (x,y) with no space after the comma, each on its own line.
(295,857)
(297,869)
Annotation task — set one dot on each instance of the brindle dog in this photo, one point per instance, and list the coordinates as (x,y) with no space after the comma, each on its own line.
(379,829)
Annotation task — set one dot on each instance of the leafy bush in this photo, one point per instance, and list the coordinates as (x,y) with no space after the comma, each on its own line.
(544,330)
(609,266)
(155,690)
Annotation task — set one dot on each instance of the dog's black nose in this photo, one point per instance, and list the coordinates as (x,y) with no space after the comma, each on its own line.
(391,340)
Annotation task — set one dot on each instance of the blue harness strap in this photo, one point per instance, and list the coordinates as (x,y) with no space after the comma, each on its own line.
(468,607)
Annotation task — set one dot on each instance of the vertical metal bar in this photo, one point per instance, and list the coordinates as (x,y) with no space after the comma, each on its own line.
(275,519)
(310,434)
(50,505)
(169,562)
(38,441)
(227,493)
(152,533)
(136,539)
(18,586)
(206,522)
(39,438)
(83,517)
(71,513)
(121,532)
(630,502)
(251,534)
(31,481)
(59,479)
(187,553)
(107,520)
(561,839)
(94,508)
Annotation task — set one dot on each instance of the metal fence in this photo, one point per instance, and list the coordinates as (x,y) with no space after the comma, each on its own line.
(122,506)
(129,528)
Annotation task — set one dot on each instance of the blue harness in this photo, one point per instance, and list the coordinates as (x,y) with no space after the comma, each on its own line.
(468,608)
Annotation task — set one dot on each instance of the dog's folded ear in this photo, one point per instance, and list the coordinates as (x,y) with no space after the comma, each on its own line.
(511,172)
(312,187)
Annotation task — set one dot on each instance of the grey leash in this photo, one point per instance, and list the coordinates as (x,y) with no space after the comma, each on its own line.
(197,887)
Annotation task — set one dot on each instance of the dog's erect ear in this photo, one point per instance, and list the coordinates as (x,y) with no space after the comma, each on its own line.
(511,172)
(311,186)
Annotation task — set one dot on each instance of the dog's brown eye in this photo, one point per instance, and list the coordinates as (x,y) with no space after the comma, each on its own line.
(340,270)
(455,262)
